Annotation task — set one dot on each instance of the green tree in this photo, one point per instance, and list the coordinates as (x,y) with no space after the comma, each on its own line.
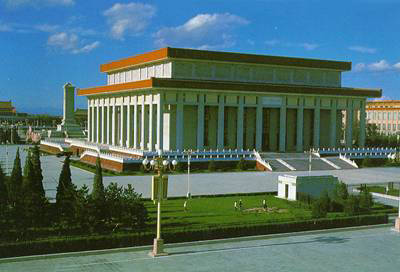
(98,187)
(65,196)
(27,159)
(241,165)
(37,167)
(33,200)
(366,201)
(351,205)
(325,201)
(211,166)
(318,210)
(98,208)
(3,189)
(134,212)
(15,181)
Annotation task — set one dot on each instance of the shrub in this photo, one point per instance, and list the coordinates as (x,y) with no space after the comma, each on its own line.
(366,201)
(318,209)
(241,165)
(351,205)
(212,166)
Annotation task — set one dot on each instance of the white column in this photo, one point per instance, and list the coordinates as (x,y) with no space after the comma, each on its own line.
(333,124)
(240,113)
(151,142)
(299,126)
(103,127)
(93,123)
(122,127)
(142,134)
(109,116)
(349,124)
(135,124)
(200,122)
(88,121)
(129,125)
(259,124)
(98,121)
(317,118)
(220,128)
(362,125)
(160,115)
(179,123)
(282,126)
(113,124)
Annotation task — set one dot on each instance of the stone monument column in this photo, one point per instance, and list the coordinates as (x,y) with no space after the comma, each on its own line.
(69,104)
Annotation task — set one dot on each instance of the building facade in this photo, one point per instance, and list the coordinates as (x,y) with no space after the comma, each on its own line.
(6,108)
(176,99)
(385,114)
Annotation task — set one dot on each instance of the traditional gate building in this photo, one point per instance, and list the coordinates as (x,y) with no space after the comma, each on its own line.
(176,99)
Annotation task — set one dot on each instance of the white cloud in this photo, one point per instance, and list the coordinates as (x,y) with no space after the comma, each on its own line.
(379,66)
(362,49)
(273,42)
(87,48)
(309,46)
(131,18)
(359,67)
(69,42)
(203,31)
(305,45)
(47,27)
(38,3)
(5,28)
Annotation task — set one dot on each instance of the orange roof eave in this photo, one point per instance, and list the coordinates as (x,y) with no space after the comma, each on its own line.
(143,84)
(138,59)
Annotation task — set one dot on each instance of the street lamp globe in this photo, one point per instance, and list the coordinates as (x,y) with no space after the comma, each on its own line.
(165,162)
(152,162)
(174,162)
(145,162)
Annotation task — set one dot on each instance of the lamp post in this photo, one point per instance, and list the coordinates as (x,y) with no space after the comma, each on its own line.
(189,154)
(159,193)
(397,224)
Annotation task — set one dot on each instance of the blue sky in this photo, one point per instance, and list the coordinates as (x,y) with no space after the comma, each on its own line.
(45,43)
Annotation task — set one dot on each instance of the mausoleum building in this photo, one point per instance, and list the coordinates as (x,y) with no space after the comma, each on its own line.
(176,99)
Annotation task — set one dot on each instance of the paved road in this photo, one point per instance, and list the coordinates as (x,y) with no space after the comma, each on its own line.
(372,249)
(202,184)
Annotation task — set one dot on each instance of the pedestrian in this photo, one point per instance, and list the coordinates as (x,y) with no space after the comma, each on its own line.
(184,205)
(235,205)
(264,203)
(240,204)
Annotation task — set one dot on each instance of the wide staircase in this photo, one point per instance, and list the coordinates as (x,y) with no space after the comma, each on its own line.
(285,162)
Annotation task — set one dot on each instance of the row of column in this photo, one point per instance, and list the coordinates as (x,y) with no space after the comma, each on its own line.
(134,125)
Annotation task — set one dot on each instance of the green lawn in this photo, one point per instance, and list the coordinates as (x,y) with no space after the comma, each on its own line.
(204,212)
(382,190)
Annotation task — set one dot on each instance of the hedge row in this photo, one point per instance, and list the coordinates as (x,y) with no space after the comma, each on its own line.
(135,239)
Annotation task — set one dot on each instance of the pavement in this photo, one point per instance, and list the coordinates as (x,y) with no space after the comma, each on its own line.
(354,249)
(200,184)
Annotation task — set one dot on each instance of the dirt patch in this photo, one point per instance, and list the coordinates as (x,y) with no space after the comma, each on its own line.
(262,210)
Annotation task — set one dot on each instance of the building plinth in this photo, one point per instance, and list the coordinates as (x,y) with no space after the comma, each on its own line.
(397,224)
(158,248)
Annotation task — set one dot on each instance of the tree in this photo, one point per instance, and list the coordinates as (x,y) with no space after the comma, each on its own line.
(134,212)
(98,187)
(325,202)
(15,182)
(318,210)
(3,189)
(351,205)
(366,201)
(211,166)
(37,167)
(65,196)
(98,208)
(241,165)
(33,200)
(27,159)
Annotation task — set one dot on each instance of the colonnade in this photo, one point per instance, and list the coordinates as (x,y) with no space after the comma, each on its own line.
(151,122)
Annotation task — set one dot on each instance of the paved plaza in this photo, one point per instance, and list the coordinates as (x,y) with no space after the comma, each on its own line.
(201,184)
(367,249)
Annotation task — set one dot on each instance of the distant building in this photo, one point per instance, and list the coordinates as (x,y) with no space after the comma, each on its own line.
(385,114)
(6,108)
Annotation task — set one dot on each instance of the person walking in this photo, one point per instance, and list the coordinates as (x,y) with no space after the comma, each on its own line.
(235,205)
(264,203)
(185,206)
(240,204)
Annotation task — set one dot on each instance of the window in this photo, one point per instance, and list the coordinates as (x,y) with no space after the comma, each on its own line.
(389,127)
(383,126)
(384,116)
(379,115)
(389,116)
(394,127)
(394,115)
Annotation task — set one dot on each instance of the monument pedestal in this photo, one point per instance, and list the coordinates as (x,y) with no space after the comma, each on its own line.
(397,224)
(158,248)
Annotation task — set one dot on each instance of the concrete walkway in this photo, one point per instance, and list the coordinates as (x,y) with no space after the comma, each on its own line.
(366,249)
